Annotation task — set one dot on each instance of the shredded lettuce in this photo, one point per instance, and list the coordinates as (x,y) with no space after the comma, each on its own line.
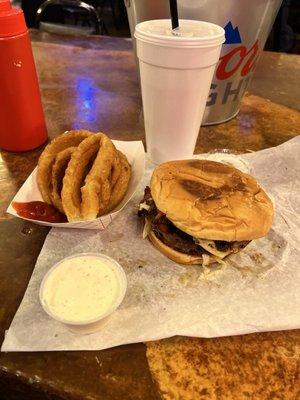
(144,206)
(205,260)
(210,246)
(147,228)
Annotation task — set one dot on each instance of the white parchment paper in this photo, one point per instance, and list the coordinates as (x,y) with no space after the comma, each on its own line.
(258,290)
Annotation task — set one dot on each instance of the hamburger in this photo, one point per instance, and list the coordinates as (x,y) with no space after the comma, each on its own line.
(200,211)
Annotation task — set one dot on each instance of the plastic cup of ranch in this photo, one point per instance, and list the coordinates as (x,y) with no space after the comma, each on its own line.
(83,290)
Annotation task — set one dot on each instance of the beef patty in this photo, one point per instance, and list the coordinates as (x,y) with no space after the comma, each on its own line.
(173,237)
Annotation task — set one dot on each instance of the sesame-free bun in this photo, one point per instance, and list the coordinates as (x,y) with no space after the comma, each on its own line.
(211,200)
(174,255)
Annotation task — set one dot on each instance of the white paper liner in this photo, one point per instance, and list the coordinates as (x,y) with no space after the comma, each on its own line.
(257,291)
(135,154)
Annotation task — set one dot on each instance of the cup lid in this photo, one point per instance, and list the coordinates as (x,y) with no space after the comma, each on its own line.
(191,33)
(12,20)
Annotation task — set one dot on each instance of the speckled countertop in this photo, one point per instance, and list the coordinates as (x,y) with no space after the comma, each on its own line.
(102,70)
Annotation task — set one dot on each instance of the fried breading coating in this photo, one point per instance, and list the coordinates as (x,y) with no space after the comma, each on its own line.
(86,185)
(58,172)
(120,188)
(47,158)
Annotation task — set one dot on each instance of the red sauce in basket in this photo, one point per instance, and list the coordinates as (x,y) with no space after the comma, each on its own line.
(38,210)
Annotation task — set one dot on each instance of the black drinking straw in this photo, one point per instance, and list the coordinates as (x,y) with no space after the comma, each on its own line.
(174,13)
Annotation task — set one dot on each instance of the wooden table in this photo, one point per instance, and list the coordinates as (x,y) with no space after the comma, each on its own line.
(91,83)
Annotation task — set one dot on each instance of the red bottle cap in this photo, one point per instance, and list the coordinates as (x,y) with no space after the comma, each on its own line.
(12,22)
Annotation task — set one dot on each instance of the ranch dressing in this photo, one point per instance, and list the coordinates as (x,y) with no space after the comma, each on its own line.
(81,289)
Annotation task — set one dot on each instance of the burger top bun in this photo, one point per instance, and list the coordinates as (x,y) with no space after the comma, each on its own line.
(210,200)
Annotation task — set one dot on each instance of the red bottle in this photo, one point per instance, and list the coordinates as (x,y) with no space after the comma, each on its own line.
(22,123)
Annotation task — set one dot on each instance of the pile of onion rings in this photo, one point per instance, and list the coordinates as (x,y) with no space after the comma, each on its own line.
(83,175)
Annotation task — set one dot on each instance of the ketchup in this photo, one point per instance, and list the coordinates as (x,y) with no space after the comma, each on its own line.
(38,210)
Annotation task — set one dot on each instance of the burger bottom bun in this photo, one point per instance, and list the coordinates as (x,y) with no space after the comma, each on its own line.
(180,258)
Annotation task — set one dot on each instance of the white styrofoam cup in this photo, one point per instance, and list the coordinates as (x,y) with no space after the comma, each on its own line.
(176,73)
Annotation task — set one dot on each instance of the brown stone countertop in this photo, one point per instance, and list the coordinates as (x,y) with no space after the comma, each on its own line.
(92,83)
